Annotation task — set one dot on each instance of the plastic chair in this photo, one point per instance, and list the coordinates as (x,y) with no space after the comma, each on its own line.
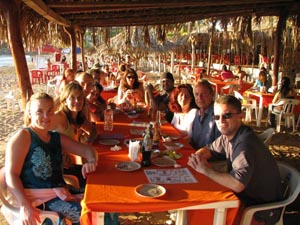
(230,88)
(36,76)
(11,211)
(55,69)
(287,111)
(249,104)
(13,99)
(292,178)
(266,136)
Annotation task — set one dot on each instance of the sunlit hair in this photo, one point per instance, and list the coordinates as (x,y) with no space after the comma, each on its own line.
(34,97)
(68,89)
(124,84)
(174,106)
(285,86)
(262,76)
(203,82)
(231,101)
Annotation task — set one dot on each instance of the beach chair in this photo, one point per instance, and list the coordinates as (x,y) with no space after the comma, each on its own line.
(287,112)
(11,210)
(266,136)
(249,104)
(291,178)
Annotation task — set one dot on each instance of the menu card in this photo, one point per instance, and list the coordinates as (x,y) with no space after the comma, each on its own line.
(170,176)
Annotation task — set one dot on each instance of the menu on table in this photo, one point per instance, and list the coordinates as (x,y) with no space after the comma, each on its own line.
(170,176)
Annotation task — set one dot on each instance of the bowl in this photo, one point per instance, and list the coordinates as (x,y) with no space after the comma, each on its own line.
(173,145)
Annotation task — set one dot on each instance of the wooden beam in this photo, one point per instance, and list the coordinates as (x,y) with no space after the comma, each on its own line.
(41,8)
(11,9)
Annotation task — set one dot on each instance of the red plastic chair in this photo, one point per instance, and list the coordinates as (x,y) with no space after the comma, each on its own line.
(55,69)
(36,76)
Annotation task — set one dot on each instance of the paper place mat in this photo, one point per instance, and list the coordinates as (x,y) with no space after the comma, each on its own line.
(170,176)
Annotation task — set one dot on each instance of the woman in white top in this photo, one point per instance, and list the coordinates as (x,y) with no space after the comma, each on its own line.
(182,103)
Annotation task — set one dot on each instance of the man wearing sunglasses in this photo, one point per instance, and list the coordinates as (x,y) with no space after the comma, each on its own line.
(252,174)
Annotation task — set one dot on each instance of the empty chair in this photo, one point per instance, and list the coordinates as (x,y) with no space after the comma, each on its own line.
(229,88)
(36,76)
(284,108)
(266,135)
(11,210)
(249,104)
(291,177)
(12,100)
(55,70)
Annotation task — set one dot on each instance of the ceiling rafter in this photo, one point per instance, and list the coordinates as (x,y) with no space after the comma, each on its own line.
(103,13)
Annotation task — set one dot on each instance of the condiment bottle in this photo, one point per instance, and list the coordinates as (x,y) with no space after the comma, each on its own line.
(108,119)
(156,132)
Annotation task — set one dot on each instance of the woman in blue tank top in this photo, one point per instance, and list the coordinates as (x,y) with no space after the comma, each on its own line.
(33,164)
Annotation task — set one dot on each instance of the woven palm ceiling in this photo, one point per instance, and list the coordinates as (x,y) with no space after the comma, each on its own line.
(107,13)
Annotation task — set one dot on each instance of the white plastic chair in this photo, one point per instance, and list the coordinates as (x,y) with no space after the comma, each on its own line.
(11,211)
(287,174)
(248,104)
(12,99)
(287,112)
(266,136)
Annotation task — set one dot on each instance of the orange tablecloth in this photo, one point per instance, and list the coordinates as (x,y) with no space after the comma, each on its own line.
(219,84)
(107,94)
(110,190)
(264,100)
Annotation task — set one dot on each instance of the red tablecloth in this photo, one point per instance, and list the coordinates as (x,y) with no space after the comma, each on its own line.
(219,84)
(107,94)
(110,190)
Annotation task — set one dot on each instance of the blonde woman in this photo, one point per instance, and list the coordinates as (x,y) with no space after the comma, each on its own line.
(33,164)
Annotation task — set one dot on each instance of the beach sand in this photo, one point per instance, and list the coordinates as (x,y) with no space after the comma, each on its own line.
(285,146)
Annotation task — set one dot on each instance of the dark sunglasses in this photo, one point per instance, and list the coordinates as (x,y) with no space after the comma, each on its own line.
(130,77)
(224,116)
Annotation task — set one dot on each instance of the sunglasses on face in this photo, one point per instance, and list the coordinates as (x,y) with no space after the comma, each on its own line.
(130,77)
(224,116)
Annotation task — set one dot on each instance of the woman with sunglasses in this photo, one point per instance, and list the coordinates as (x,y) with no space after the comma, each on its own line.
(130,88)
(252,174)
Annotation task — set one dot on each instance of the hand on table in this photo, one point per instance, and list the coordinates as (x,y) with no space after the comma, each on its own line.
(198,163)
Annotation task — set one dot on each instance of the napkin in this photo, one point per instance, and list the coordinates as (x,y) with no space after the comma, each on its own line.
(133,150)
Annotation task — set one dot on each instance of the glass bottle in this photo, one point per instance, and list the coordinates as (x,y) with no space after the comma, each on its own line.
(156,128)
(147,148)
(108,119)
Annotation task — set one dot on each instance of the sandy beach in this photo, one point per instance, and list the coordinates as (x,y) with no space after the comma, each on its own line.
(285,146)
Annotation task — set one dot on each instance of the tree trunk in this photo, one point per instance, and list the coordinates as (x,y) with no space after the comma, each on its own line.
(11,11)
(280,25)
(210,47)
(82,50)
(72,35)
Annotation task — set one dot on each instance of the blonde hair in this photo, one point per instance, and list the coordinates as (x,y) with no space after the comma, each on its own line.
(37,96)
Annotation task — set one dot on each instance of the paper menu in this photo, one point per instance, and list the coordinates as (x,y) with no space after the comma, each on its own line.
(170,176)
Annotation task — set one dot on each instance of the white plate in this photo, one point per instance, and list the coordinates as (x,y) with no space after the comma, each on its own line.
(109,142)
(150,190)
(128,166)
(164,161)
(173,145)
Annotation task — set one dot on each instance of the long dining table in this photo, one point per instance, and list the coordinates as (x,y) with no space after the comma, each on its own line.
(111,190)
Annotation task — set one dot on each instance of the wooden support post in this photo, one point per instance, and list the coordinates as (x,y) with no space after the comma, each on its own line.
(72,35)
(11,10)
(278,34)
